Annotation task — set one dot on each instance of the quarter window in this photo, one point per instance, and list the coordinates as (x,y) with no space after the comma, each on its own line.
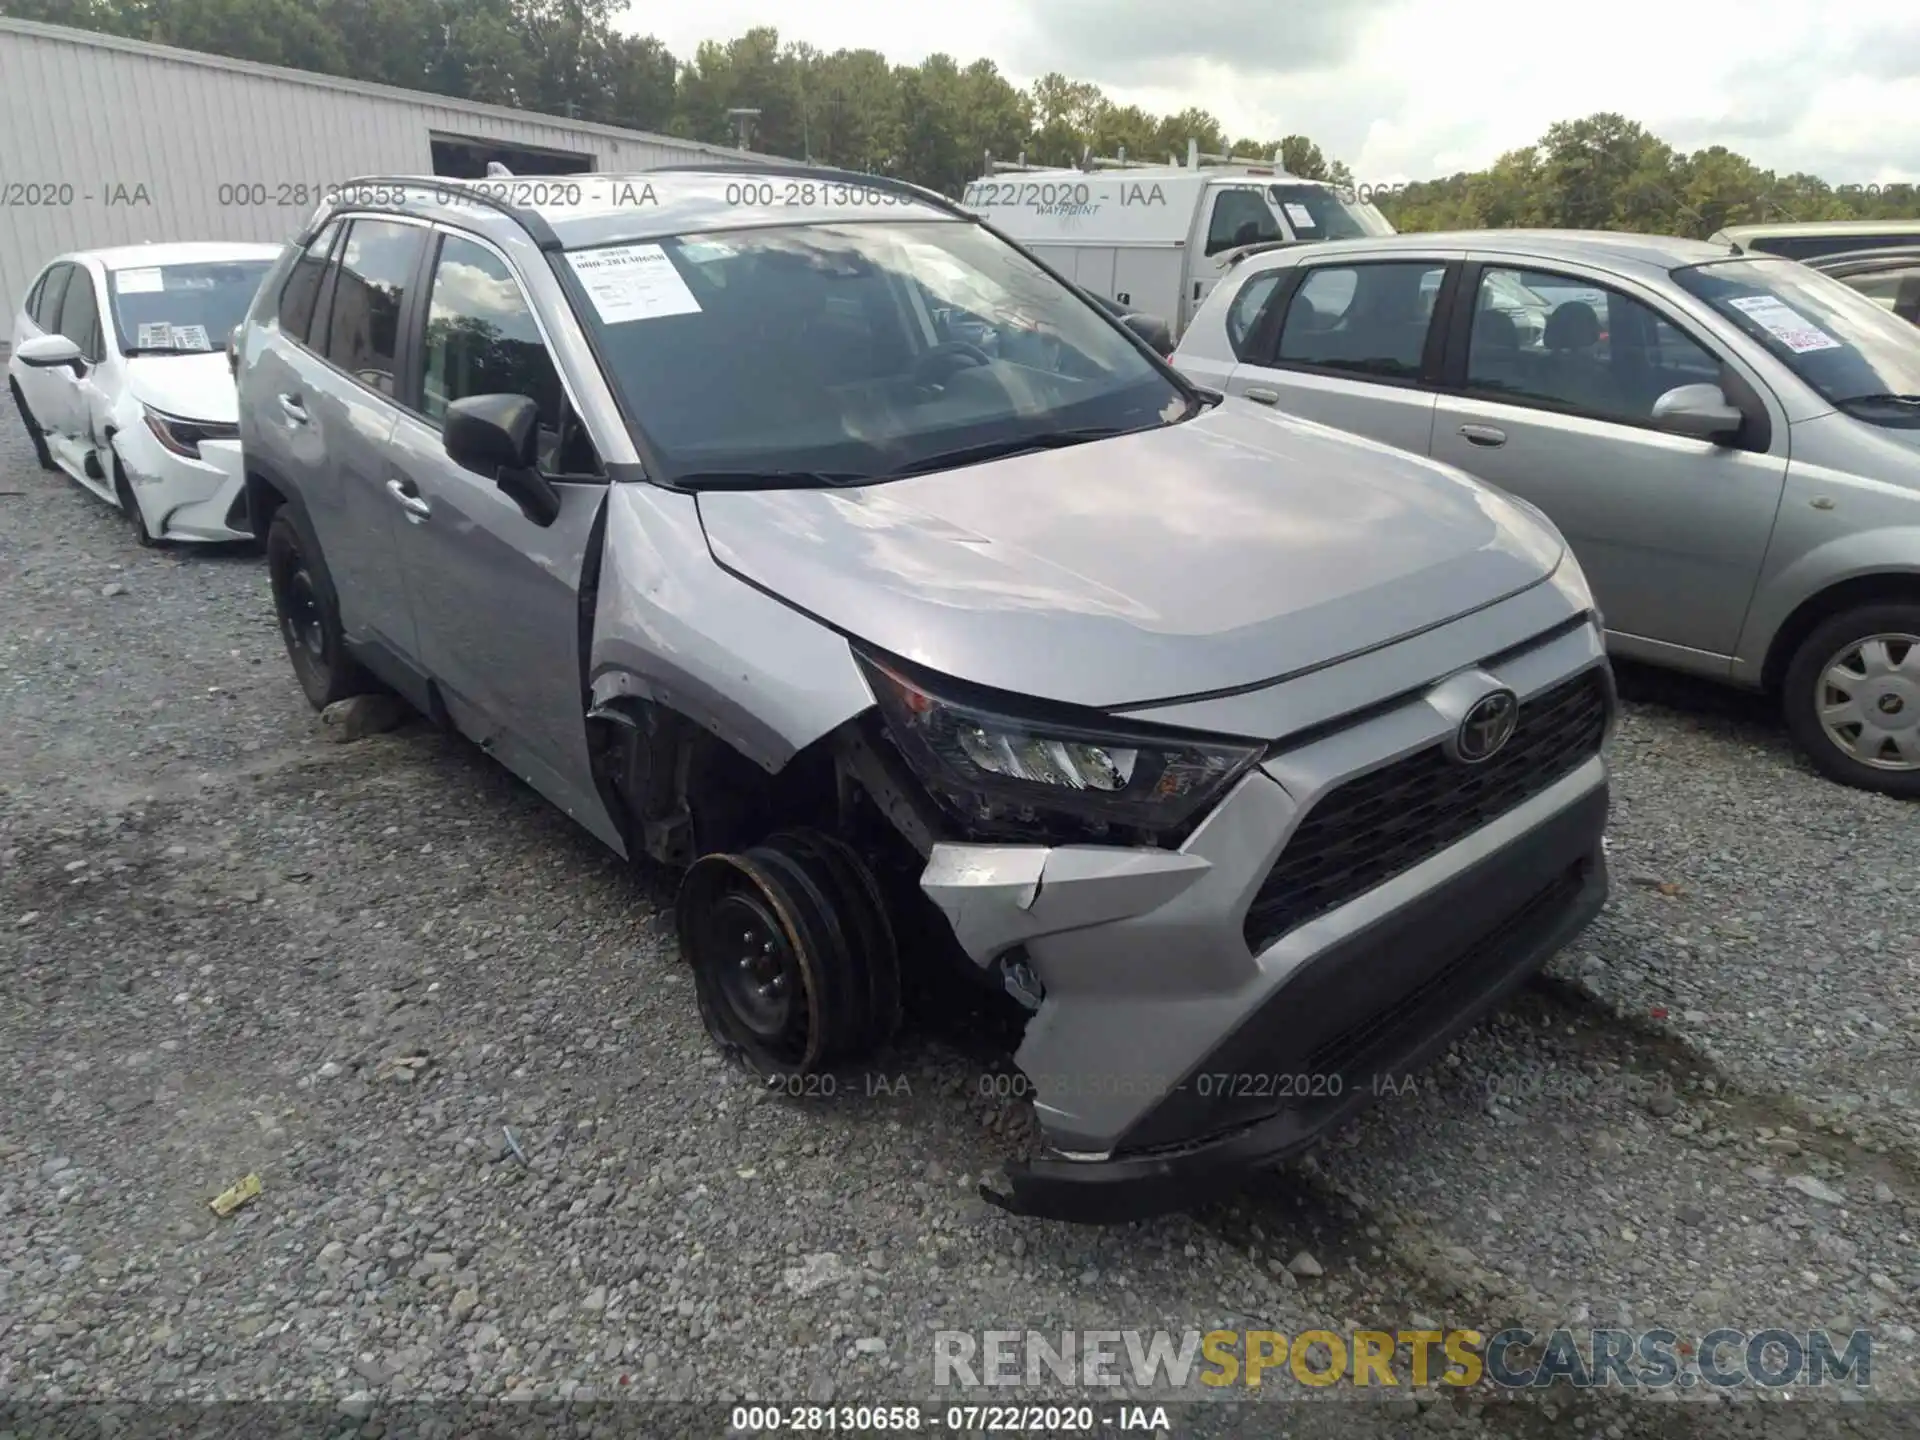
(1370,319)
(481,339)
(1247,308)
(1577,346)
(302,290)
(369,294)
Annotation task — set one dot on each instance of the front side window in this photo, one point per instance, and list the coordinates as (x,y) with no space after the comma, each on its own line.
(369,293)
(53,294)
(1369,319)
(855,350)
(182,309)
(301,292)
(481,339)
(1241,217)
(80,314)
(1594,351)
(1857,356)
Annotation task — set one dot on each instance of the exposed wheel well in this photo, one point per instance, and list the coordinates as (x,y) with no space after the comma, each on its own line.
(1865,590)
(263,498)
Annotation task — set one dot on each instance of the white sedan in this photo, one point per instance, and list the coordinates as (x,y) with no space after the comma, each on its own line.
(120,373)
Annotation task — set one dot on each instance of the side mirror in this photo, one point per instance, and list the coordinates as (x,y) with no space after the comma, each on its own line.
(498,436)
(52,352)
(1152,329)
(1701,411)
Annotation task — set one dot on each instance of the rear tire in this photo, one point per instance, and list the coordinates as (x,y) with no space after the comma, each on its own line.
(130,507)
(34,432)
(309,621)
(1851,697)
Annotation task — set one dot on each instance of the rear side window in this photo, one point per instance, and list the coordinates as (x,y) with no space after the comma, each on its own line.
(1369,319)
(302,289)
(80,314)
(369,293)
(53,292)
(1243,315)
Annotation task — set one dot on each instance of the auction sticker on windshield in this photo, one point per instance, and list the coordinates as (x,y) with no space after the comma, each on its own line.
(1784,323)
(633,282)
(1301,217)
(137,282)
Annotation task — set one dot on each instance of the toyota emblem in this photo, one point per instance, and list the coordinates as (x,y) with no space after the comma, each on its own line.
(1486,727)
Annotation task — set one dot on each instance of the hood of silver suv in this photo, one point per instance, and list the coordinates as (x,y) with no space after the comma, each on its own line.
(1235,548)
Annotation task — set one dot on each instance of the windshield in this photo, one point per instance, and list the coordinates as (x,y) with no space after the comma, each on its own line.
(1860,358)
(176,309)
(1317,212)
(855,351)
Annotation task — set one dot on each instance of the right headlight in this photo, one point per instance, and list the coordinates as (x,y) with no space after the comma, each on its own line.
(994,766)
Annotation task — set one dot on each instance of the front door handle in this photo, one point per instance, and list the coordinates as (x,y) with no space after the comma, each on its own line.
(1486,436)
(291,407)
(1261,395)
(416,508)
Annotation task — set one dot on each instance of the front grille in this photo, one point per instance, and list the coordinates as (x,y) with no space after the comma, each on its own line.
(1368,830)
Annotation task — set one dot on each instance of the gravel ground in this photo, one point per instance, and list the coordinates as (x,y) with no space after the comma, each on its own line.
(220,934)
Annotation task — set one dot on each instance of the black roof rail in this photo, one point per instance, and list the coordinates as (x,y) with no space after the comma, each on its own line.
(534,223)
(828,174)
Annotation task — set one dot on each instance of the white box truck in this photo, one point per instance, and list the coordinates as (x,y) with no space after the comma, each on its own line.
(1157,238)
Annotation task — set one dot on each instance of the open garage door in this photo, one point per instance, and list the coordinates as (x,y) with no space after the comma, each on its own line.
(465,157)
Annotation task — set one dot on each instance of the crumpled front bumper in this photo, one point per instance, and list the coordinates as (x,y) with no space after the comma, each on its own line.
(183,498)
(1168,1057)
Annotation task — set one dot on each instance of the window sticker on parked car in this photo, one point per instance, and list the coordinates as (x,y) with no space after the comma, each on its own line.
(633,282)
(1301,217)
(137,282)
(160,335)
(1784,323)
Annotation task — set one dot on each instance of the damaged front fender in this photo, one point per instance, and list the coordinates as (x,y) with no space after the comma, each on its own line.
(672,628)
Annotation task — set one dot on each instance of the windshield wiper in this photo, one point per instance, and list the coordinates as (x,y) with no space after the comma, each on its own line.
(1000,449)
(1907,400)
(134,350)
(766,480)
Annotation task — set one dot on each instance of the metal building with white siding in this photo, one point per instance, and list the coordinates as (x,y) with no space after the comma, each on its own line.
(105,141)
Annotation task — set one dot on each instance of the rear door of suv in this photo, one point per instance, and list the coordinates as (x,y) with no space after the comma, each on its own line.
(323,397)
(1350,340)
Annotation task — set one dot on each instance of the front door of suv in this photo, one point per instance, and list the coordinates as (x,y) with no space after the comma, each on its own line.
(1670,530)
(495,597)
(1350,343)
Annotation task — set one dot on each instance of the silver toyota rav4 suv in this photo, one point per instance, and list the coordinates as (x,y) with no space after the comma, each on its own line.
(1247,762)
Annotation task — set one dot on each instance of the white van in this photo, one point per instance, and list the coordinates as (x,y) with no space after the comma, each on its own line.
(1157,238)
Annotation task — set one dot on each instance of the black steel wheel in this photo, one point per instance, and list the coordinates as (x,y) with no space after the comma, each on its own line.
(785,941)
(308,623)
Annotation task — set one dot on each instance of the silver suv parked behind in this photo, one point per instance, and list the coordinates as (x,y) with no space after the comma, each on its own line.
(1252,761)
(1731,443)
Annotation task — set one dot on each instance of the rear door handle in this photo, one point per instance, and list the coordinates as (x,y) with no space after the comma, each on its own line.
(1261,395)
(416,508)
(1485,436)
(291,407)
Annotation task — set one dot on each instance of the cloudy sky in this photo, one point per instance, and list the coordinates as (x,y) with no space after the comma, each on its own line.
(1408,89)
